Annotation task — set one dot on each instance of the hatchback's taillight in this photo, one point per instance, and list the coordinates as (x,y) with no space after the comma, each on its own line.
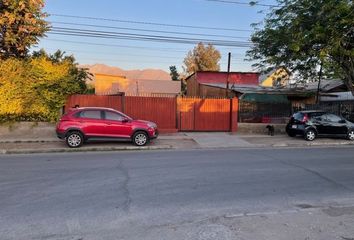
(305,118)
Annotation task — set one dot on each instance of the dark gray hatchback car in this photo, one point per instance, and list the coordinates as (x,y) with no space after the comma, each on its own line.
(311,124)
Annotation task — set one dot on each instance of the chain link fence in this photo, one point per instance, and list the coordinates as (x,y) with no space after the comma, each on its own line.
(258,112)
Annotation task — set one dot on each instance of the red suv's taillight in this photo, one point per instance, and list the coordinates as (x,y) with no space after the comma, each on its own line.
(65,117)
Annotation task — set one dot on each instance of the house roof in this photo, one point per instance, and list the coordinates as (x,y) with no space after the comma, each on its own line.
(204,77)
(263,90)
(338,96)
(325,86)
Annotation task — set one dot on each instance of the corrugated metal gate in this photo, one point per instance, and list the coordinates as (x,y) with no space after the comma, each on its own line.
(161,110)
(198,114)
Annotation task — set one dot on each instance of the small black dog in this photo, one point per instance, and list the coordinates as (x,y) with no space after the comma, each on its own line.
(270,130)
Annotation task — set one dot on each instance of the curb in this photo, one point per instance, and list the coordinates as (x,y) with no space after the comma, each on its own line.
(314,144)
(83,149)
(58,140)
(31,141)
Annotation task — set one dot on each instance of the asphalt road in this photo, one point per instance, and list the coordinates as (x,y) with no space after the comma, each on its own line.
(196,194)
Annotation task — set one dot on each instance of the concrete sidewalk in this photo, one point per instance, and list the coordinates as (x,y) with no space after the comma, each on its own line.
(205,140)
(227,140)
(49,144)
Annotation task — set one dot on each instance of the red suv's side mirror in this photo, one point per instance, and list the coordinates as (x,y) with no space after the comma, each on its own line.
(125,120)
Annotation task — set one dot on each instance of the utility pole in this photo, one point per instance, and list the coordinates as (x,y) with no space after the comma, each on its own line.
(228,74)
(137,88)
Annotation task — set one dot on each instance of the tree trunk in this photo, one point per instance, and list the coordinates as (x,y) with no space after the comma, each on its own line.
(349,84)
(349,75)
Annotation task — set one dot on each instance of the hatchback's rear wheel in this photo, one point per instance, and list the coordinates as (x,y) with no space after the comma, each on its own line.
(310,135)
(74,139)
(140,138)
(350,135)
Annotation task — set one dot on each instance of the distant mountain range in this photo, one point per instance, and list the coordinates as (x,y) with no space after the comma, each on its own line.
(145,74)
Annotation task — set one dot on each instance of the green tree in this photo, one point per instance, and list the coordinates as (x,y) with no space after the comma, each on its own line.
(303,35)
(174,73)
(21,24)
(202,58)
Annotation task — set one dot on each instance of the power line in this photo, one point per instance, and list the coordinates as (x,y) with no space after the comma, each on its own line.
(140,61)
(143,36)
(134,34)
(118,46)
(129,61)
(114,54)
(149,23)
(154,49)
(243,3)
(128,54)
(144,39)
(148,30)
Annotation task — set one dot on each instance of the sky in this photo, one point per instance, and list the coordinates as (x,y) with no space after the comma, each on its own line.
(208,20)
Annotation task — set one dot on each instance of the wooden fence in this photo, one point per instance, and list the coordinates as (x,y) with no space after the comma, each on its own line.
(170,113)
(115,102)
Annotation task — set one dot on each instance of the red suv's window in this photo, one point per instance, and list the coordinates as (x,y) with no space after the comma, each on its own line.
(93,114)
(113,116)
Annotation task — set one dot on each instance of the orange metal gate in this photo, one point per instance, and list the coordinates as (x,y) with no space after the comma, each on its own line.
(161,110)
(198,114)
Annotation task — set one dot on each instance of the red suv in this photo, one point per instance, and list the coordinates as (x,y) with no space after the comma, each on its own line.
(82,124)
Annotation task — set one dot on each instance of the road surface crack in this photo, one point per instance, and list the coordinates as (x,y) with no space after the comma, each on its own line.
(331,181)
(127,202)
(337,184)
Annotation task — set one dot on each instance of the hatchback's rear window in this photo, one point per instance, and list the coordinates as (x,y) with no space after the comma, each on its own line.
(298,116)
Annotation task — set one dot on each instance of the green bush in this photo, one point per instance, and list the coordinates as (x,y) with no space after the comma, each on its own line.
(35,89)
(23,118)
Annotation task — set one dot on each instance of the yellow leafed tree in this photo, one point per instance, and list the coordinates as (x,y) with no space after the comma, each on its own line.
(35,89)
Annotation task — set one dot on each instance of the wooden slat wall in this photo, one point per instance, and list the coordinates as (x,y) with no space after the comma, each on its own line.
(114,102)
(170,113)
